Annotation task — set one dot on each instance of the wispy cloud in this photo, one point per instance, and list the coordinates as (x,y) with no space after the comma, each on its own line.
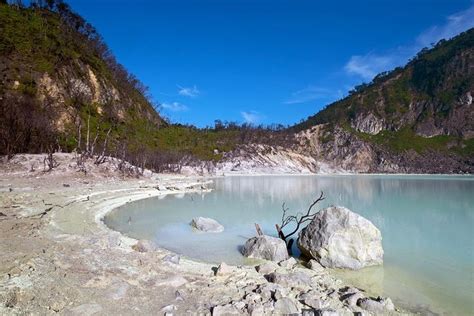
(368,65)
(309,93)
(455,24)
(251,117)
(174,107)
(191,92)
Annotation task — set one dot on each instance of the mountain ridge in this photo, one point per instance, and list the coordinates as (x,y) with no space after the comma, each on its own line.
(62,89)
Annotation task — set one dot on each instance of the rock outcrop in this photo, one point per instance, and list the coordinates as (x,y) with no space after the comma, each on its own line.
(369,124)
(207,225)
(340,238)
(265,247)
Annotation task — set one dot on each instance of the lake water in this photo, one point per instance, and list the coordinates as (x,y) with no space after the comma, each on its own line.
(427,224)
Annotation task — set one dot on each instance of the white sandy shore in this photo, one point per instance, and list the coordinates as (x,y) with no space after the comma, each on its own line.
(57,256)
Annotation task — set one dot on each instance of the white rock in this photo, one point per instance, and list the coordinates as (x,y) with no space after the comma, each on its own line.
(379,305)
(207,225)
(255,309)
(171,259)
(351,299)
(223,269)
(288,263)
(295,279)
(265,247)
(169,308)
(144,246)
(340,238)
(286,306)
(315,303)
(315,266)
(225,310)
(326,312)
(172,281)
(266,268)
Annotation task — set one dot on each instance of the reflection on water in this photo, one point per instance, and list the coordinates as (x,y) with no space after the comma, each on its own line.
(427,225)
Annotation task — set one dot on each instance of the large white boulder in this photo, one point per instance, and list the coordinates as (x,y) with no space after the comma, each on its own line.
(265,247)
(340,238)
(207,225)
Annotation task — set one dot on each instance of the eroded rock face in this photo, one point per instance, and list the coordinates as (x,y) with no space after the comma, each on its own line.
(207,225)
(265,247)
(340,238)
(368,123)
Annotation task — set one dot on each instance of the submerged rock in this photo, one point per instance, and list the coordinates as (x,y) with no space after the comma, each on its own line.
(207,225)
(340,238)
(265,247)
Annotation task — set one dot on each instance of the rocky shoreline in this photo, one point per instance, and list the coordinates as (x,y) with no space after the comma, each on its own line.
(58,257)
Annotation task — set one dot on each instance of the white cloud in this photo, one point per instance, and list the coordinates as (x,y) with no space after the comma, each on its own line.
(455,24)
(251,117)
(309,94)
(191,92)
(367,66)
(174,107)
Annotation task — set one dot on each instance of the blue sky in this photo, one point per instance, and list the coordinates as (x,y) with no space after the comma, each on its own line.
(266,61)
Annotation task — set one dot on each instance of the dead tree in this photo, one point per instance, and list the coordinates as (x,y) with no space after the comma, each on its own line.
(92,149)
(88,133)
(298,220)
(101,158)
(49,162)
(80,161)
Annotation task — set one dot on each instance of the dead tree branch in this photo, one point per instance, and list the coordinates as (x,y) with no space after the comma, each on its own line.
(298,220)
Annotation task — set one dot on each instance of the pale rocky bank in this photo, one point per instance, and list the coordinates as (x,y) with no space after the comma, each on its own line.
(57,257)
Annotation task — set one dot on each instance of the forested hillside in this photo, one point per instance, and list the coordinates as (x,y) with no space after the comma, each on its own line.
(61,89)
(419,117)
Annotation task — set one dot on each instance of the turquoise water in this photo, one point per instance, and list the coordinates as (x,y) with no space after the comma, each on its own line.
(427,224)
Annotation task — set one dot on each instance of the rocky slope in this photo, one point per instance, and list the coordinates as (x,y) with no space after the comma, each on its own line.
(59,79)
(416,119)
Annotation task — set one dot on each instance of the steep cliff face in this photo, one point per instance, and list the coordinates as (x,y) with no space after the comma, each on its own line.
(58,81)
(419,118)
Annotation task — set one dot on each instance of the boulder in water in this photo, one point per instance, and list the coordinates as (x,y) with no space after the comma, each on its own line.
(265,247)
(340,238)
(207,225)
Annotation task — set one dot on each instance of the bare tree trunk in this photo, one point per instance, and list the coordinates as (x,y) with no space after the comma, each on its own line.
(94,142)
(258,229)
(49,161)
(79,137)
(88,132)
(101,158)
